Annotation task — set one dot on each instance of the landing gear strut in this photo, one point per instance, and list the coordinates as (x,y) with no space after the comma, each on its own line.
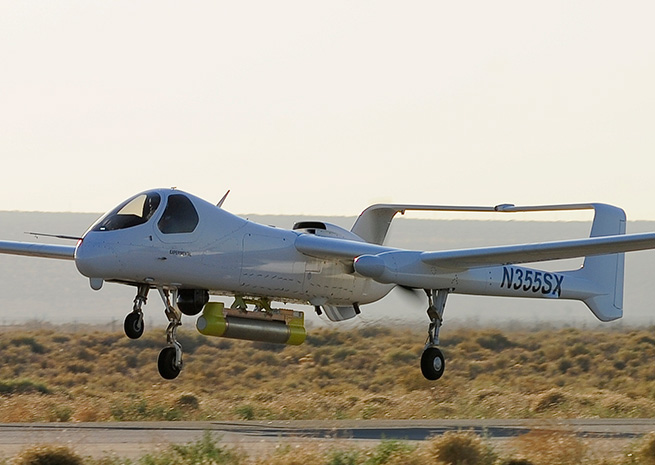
(432,360)
(170,358)
(133,325)
(169,362)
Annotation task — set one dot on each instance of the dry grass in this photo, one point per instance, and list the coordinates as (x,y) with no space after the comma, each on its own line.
(455,448)
(55,375)
(550,448)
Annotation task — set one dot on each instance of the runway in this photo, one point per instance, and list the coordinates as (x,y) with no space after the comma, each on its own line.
(133,439)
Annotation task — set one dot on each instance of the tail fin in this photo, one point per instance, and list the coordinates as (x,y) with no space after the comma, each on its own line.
(373,223)
(606,271)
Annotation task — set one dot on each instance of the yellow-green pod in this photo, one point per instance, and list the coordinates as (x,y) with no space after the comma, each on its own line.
(297,333)
(212,321)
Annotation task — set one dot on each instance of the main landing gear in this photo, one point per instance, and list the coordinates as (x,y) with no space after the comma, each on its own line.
(169,362)
(432,360)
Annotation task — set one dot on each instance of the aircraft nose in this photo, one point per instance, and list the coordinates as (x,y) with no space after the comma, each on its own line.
(94,259)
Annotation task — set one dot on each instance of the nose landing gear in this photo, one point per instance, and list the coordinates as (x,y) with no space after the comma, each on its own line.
(432,359)
(133,325)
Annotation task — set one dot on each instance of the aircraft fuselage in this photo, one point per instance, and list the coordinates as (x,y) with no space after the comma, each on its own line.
(224,254)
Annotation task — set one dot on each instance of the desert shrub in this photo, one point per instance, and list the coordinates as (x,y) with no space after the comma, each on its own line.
(544,447)
(564,364)
(48,455)
(60,413)
(206,450)
(584,362)
(32,343)
(461,448)
(578,348)
(246,412)
(548,400)
(23,386)
(343,353)
(203,451)
(140,409)
(494,341)
(342,457)
(188,401)
(646,453)
(389,451)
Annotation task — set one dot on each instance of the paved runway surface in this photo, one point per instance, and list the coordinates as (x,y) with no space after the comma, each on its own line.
(133,439)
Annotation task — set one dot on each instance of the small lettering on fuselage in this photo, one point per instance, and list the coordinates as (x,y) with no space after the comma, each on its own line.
(531,280)
(180,253)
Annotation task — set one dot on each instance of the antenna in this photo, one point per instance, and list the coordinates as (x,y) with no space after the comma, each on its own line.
(58,236)
(220,203)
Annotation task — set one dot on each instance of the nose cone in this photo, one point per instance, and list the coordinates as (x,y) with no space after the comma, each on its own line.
(94,259)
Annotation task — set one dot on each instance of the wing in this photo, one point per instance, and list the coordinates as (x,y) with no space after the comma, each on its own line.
(31,249)
(530,253)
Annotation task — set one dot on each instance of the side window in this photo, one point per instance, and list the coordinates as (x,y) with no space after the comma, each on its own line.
(180,216)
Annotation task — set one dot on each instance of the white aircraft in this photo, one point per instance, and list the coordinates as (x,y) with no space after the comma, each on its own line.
(187,249)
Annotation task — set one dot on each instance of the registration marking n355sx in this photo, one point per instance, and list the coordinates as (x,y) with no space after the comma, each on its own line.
(532,281)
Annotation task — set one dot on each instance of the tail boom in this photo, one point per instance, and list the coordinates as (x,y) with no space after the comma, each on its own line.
(493,270)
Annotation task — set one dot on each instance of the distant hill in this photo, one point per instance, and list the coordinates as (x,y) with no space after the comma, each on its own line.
(53,291)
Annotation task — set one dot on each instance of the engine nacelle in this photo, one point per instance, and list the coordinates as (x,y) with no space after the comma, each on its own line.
(277,326)
(191,301)
(323,229)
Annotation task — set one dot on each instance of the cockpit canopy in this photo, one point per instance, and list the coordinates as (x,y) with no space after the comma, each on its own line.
(132,212)
(179,216)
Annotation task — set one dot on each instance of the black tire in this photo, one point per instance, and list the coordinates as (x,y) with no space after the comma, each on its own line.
(432,363)
(134,325)
(166,363)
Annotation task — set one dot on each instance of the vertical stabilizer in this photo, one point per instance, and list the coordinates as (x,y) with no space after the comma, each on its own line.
(606,272)
(373,223)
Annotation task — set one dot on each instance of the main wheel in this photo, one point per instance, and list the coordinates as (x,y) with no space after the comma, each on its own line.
(432,363)
(166,363)
(134,325)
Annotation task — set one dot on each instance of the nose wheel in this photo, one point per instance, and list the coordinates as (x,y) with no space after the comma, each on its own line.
(432,359)
(133,325)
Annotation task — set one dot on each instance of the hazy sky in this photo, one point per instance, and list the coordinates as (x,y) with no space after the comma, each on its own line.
(324,107)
